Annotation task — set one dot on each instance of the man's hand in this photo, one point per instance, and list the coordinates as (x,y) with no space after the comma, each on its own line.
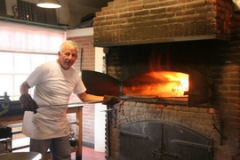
(28,104)
(110,100)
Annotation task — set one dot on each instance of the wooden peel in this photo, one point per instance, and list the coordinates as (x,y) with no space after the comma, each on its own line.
(100,84)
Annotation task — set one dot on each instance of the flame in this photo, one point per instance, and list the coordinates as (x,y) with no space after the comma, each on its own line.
(158,83)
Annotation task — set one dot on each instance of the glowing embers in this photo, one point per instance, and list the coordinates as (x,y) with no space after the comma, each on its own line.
(157,83)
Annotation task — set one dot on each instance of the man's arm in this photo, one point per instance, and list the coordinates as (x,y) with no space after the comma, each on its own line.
(24,88)
(85,97)
(106,99)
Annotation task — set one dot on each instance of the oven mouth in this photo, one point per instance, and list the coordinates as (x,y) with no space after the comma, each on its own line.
(149,84)
(164,84)
(196,94)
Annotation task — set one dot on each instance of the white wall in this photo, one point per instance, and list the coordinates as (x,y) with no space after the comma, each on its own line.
(99,121)
(100,115)
(80,32)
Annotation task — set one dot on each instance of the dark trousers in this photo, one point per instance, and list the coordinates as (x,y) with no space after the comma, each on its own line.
(59,148)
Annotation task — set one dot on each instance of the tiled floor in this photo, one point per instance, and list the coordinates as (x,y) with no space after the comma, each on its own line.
(90,154)
(87,153)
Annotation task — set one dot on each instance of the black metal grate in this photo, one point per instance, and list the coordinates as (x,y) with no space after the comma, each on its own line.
(156,140)
(29,11)
(2,8)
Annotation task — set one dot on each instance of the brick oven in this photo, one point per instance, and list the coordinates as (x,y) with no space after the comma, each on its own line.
(199,38)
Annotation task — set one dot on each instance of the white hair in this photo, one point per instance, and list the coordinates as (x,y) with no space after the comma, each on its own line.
(70,43)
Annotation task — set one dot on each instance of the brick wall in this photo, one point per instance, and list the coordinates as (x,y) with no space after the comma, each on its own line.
(217,61)
(88,52)
(228,92)
(226,79)
(125,22)
(138,22)
(87,61)
(227,95)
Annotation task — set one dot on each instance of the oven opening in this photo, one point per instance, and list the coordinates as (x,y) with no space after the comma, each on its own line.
(158,84)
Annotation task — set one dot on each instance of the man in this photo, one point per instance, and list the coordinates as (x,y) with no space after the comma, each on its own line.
(45,120)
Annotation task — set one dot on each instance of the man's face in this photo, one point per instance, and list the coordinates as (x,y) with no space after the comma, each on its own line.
(67,57)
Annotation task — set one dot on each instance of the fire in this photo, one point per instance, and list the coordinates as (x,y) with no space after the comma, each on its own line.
(159,83)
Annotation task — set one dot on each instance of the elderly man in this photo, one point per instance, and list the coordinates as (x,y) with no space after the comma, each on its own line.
(54,82)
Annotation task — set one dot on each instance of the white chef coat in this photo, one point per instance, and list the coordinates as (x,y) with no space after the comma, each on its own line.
(53,86)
